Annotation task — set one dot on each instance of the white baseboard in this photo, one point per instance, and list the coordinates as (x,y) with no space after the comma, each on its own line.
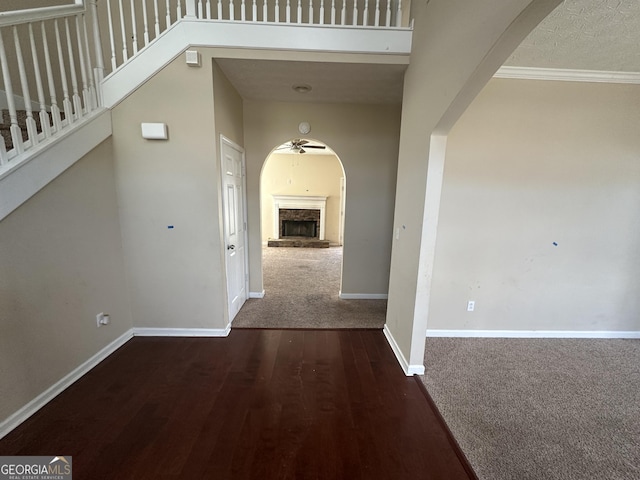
(364,296)
(45,397)
(256,294)
(409,370)
(182,332)
(531,334)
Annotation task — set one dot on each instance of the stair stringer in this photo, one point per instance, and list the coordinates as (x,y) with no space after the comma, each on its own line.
(378,44)
(48,160)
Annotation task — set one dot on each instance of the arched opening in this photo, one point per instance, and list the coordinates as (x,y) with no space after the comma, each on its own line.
(302,205)
(302,196)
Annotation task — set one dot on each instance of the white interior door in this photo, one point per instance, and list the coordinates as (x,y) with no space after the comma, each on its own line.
(235,225)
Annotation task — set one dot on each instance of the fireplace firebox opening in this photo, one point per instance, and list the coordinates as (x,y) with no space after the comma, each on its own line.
(299,222)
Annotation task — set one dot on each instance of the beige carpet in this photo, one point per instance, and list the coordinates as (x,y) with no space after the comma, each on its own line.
(540,409)
(301,291)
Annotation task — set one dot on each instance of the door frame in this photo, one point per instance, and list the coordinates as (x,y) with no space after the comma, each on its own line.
(224,141)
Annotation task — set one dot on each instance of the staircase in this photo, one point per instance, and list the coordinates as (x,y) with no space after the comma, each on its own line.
(5,126)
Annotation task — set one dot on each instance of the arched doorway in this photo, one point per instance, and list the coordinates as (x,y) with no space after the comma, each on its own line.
(302,285)
(302,192)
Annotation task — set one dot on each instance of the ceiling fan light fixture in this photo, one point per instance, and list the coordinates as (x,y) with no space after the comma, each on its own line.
(301,88)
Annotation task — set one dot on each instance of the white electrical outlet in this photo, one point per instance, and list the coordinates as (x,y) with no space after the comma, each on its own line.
(102,319)
(471,305)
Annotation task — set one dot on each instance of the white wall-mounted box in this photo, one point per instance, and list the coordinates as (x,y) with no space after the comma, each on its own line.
(154,131)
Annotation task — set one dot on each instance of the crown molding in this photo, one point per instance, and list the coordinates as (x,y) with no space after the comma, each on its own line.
(567,75)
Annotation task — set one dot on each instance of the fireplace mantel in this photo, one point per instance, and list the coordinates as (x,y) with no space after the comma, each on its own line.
(301,202)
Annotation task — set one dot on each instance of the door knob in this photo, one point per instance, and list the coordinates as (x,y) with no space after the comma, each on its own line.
(231,247)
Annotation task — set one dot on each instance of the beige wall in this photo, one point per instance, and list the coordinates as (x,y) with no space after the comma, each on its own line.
(61,264)
(456,48)
(176,276)
(531,163)
(365,138)
(306,174)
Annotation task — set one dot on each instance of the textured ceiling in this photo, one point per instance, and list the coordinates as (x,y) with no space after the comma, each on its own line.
(330,82)
(585,35)
(580,34)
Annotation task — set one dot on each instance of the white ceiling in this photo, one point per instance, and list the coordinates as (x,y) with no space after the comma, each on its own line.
(585,35)
(330,82)
(579,34)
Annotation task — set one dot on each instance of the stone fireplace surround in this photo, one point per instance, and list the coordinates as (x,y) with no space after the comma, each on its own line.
(315,206)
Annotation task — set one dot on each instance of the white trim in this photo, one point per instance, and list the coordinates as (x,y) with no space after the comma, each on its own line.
(17,17)
(43,163)
(392,42)
(364,296)
(532,333)
(45,397)
(182,332)
(567,75)
(409,370)
(256,294)
(300,202)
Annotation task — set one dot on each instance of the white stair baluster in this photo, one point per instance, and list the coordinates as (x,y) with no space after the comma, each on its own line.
(191,9)
(67,108)
(93,94)
(387,18)
(355,12)
(243,11)
(200,10)
(343,13)
(125,53)
(288,12)
(310,19)
(365,13)
(55,110)
(179,10)
(276,12)
(114,63)
(4,158)
(219,9)
(16,132)
(77,101)
(321,12)
(157,18)
(145,22)
(333,12)
(232,10)
(98,70)
(86,94)
(32,130)
(399,14)
(377,18)
(168,16)
(299,12)
(208,9)
(265,12)
(134,27)
(45,121)
(254,12)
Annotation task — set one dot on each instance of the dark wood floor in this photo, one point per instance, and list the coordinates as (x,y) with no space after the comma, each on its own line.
(260,404)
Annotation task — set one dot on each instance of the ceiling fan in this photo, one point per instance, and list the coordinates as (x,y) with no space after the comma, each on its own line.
(298,145)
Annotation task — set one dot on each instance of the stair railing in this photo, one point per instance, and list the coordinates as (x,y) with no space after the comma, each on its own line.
(134,24)
(49,77)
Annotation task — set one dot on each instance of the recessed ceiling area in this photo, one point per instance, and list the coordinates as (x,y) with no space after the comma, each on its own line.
(601,35)
(585,35)
(330,82)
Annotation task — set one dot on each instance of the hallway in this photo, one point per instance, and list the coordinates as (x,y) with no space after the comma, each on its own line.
(302,291)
